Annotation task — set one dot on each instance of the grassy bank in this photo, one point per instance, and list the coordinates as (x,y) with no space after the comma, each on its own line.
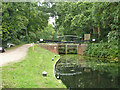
(28,73)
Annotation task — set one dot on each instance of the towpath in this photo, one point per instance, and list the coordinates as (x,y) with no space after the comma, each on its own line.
(14,55)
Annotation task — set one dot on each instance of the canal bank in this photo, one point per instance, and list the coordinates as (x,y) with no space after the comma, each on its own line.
(28,73)
(86,72)
(77,71)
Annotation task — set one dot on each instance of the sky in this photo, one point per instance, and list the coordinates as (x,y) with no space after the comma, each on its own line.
(51,21)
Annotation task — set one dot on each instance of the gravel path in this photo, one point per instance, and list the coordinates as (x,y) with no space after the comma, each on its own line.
(14,55)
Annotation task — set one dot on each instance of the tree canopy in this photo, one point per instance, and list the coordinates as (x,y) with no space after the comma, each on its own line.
(84,17)
(28,21)
(23,22)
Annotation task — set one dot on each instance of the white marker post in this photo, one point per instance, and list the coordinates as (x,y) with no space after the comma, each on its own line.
(32,44)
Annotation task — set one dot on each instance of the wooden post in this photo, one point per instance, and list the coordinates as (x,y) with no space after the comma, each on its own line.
(77,49)
(77,61)
(66,48)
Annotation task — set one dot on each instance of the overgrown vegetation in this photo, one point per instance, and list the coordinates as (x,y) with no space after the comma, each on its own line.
(105,49)
(28,73)
(79,18)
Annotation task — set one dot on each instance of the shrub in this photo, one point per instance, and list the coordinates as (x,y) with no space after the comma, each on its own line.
(16,41)
(104,49)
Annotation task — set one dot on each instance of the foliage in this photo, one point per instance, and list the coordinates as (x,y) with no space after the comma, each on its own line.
(77,18)
(105,50)
(28,21)
(48,33)
(23,21)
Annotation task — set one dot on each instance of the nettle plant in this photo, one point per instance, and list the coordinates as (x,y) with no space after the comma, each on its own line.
(113,43)
(113,37)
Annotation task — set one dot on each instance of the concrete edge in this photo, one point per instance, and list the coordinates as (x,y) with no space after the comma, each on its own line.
(54,72)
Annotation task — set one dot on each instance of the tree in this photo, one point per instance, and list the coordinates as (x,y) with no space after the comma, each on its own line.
(21,21)
(83,17)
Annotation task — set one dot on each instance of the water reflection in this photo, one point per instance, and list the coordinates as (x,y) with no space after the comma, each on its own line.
(77,71)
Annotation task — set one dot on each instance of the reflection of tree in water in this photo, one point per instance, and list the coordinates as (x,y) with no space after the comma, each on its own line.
(98,77)
(89,80)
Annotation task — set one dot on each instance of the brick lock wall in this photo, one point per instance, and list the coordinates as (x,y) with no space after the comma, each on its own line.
(54,48)
(51,47)
(82,48)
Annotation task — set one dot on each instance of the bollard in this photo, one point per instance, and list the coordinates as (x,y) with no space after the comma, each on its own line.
(44,73)
(58,77)
(2,49)
(52,59)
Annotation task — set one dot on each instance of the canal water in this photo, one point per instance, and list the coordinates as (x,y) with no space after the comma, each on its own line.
(77,71)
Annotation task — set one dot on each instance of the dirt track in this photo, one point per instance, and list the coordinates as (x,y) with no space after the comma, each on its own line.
(14,55)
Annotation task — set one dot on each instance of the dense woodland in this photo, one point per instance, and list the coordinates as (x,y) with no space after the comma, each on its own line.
(23,22)
(27,22)
(95,18)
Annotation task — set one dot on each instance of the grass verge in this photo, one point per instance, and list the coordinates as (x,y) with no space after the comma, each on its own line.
(28,73)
